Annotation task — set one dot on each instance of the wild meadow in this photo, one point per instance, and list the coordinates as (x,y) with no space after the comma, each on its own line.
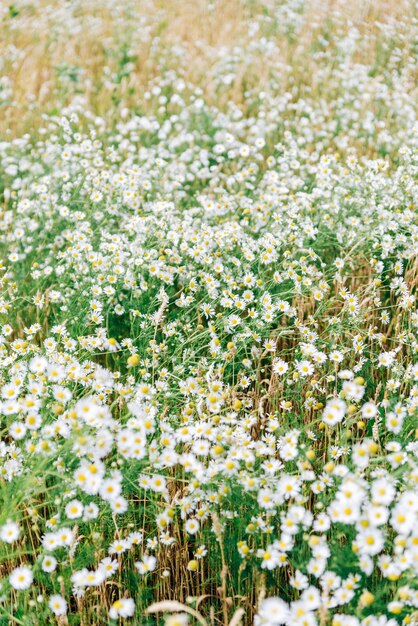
(208,312)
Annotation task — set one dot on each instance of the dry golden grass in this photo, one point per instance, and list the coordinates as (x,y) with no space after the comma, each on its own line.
(40,35)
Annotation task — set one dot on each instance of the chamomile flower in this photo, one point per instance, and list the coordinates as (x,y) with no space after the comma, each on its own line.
(9,532)
(148,564)
(124,607)
(58,605)
(21,578)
